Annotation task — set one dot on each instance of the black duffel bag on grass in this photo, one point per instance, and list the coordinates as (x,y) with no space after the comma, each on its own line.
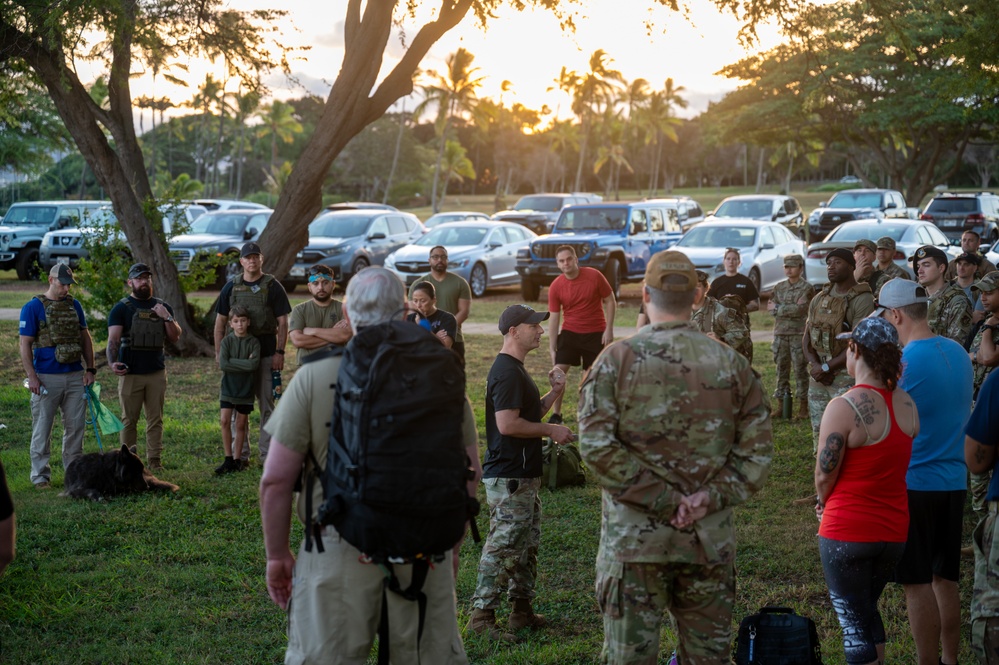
(777,636)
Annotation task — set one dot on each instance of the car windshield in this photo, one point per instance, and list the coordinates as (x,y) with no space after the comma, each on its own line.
(752,208)
(856,200)
(593,219)
(953,206)
(540,203)
(453,236)
(339,226)
(225,224)
(718,236)
(442,218)
(30,215)
(853,232)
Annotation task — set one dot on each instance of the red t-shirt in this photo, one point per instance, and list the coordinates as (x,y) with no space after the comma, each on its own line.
(581,301)
(869,502)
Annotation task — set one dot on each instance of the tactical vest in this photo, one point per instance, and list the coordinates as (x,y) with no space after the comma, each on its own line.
(827,318)
(938,307)
(704,320)
(146,331)
(61,329)
(262,319)
(737,305)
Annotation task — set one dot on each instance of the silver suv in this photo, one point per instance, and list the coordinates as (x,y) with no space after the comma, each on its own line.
(959,212)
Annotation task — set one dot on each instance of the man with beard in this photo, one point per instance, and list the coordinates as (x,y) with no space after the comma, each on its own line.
(971,243)
(454,295)
(319,322)
(138,327)
(835,309)
(949,308)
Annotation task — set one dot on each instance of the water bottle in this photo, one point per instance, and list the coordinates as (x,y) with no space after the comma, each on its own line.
(786,406)
(276,384)
(43,391)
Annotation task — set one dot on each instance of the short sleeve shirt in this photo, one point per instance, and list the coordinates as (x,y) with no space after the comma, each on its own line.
(277,300)
(448,291)
(32,316)
(983,426)
(509,386)
(580,300)
(139,362)
(439,320)
(310,315)
(736,285)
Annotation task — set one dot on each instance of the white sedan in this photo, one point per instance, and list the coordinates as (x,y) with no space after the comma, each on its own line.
(762,246)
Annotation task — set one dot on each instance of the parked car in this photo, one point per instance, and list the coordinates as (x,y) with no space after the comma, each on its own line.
(762,245)
(211,205)
(66,245)
(221,233)
(765,207)
(688,211)
(25,225)
(908,236)
(851,204)
(615,238)
(849,180)
(349,241)
(539,212)
(955,213)
(460,216)
(483,253)
(359,205)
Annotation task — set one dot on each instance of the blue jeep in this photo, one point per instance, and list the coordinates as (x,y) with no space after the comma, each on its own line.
(615,238)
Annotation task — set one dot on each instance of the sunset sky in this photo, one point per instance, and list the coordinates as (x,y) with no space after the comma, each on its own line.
(528,49)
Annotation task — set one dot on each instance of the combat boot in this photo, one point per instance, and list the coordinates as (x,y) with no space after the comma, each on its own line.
(484,621)
(803,410)
(523,616)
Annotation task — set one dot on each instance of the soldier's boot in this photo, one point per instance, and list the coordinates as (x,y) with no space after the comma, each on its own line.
(802,410)
(523,616)
(484,621)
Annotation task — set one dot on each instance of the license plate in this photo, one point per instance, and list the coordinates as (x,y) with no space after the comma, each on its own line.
(297,272)
(950,223)
(62,259)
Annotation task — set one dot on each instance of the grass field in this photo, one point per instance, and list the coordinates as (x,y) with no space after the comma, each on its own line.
(180,579)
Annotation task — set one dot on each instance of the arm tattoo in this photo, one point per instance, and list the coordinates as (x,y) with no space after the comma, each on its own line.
(829,459)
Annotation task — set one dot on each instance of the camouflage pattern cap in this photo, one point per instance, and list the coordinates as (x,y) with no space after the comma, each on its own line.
(872,332)
(792,260)
(988,283)
(886,242)
(667,263)
(867,244)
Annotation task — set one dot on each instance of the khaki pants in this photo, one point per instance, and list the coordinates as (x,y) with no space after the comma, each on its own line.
(138,391)
(264,388)
(65,394)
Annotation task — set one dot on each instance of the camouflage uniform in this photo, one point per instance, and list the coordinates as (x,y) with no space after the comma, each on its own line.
(950,313)
(983,269)
(790,311)
(664,414)
(893,271)
(985,595)
(979,484)
(725,323)
(859,303)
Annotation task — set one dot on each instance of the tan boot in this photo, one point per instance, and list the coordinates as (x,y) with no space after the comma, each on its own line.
(484,621)
(523,616)
(803,411)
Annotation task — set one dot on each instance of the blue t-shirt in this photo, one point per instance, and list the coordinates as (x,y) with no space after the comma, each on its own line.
(32,314)
(937,373)
(983,426)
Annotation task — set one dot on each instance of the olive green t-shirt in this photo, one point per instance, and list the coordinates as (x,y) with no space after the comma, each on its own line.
(449,291)
(310,315)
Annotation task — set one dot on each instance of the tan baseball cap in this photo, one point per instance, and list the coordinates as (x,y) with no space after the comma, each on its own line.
(668,263)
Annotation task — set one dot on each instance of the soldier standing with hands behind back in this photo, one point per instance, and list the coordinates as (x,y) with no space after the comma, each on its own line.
(789,306)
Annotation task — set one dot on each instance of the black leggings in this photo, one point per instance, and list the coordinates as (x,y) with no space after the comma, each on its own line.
(856,574)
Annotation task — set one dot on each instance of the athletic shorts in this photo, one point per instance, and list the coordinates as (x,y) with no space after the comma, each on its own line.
(578,348)
(245,409)
(934,543)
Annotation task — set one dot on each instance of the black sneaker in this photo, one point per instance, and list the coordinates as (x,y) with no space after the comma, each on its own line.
(555,419)
(228,466)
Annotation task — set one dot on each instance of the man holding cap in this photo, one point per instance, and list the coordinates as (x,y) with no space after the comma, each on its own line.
(676,428)
(867,271)
(318,322)
(885,254)
(511,473)
(268,304)
(835,309)
(937,375)
(949,308)
(138,327)
(55,347)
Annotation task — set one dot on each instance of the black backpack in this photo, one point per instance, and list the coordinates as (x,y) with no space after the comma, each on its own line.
(777,636)
(396,469)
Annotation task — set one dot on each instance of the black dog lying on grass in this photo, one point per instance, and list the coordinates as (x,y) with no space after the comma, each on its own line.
(100,476)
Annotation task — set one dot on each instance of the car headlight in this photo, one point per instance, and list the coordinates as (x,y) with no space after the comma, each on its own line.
(523,253)
(460,263)
(334,251)
(390,262)
(5,238)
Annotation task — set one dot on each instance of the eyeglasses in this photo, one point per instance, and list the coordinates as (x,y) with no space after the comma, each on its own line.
(439,256)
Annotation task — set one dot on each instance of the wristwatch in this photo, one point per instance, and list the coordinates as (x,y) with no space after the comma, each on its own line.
(825,367)
(170,319)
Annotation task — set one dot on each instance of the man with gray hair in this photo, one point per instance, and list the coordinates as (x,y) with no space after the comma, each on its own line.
(676,428)
(338,592)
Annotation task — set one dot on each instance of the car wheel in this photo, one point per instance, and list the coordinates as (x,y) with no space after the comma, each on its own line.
(478,280)
(27,265)
(358,266)
(530,289)
(615,275)
(754,277)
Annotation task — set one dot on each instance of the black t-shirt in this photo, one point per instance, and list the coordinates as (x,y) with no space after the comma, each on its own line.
(509,386)
(6,502)
(738,285)
(277,300)
(139,362)
(439,320)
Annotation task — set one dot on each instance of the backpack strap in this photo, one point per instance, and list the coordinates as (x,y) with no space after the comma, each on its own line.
(313,529)
(421,567)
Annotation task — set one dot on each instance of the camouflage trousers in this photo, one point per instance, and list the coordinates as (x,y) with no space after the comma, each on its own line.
(979,488)
(985,596)
(790,361)
(632,597)
(819,395)
(510,554)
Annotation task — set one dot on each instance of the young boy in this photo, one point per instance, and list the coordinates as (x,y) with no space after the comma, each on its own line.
(789,305)
(239,357)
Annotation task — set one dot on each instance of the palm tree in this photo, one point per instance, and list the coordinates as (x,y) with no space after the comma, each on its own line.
(244,106)
(659,122)
(612,150)
(592,92)
(452,94)
(202,101)
(279,124)
(455,166)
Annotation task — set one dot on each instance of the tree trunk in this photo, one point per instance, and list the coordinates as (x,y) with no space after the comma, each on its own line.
(759,172)
(395,155)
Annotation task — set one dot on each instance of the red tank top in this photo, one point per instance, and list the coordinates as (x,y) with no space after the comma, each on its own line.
(869,502)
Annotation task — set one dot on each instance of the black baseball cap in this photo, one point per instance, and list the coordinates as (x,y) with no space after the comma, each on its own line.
(249,249)
(138,270)
(514,315)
